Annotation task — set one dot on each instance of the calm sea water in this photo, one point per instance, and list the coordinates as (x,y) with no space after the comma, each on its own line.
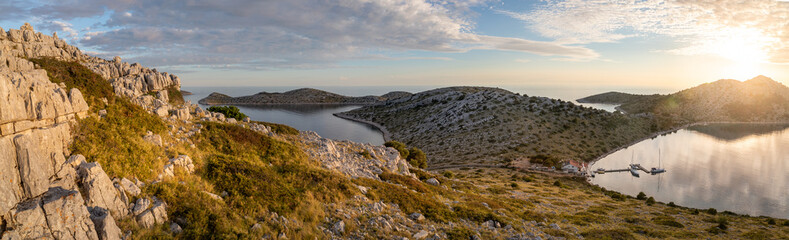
(736,167)
(320,119)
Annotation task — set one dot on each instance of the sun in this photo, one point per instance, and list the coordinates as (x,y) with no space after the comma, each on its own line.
(745,48)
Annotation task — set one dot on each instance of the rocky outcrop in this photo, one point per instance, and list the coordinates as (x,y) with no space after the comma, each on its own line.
(348,158)
(100,191)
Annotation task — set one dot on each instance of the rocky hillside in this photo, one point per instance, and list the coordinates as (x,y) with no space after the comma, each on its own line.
(615,98)
(464,125)
(298,96)
(760,99)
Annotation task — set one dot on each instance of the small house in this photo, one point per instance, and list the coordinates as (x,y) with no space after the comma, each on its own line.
(572,166)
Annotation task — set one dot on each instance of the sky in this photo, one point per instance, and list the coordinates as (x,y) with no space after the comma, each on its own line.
(671,44)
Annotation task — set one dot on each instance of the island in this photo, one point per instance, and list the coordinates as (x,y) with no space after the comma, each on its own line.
(299,96)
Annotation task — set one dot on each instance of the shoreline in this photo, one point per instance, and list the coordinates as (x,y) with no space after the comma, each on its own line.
(289,104)
(382,129)
(657,134)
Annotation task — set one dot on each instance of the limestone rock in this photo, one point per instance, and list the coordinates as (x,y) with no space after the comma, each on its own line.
(344,157)
(433,181)
(338,227)
(154,139)
(157,214)
(77,101)
(29,221)
(67,216)
(105,224)
(99,190)
(140,206)
(10,185)
(420,235)
(182,114)
(130,187)
(175,228)
(35,167)
(161,111)
(417,217)
(184,162)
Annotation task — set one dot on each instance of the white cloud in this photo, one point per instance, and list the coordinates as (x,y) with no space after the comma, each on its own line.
(760,28)
(298,32)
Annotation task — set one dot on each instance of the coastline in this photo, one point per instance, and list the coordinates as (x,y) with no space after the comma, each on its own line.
(657,134)
(382,129)
(288,104)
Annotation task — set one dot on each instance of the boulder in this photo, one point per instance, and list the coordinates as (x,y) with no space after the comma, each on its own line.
(154,139)
(157,214)
(420,235)
(175,228)
(184,162)
(78,103)
(417,217)
(99,190)
(67,216)
(105,224)
(433,181)
(29,222)
(162,111)
(130,187)
(338,228)
(140,206)
(182,114)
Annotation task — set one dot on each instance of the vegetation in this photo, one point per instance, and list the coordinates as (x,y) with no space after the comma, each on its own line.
(279,128)
(115,141)
(229,112)
(175,95)
(414,156)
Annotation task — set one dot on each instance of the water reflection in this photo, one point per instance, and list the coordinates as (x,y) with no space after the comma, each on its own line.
(735,131)
(723,167)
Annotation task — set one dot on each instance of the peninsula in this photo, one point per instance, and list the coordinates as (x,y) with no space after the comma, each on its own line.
(299,96)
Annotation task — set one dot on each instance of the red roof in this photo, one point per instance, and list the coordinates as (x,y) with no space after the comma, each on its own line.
(579,165)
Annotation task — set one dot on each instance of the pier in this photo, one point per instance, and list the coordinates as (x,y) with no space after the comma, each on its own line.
(632,166)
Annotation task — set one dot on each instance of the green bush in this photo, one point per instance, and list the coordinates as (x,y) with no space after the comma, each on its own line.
(417,158)
(650,201)
(448,174)
(400,147)
(641,196)
(712,211)
(229,112)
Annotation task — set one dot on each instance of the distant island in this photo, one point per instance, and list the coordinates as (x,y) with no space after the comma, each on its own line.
(299,96)
(616,98)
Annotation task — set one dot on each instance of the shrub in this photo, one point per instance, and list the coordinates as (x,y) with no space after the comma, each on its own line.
(641,196)
(417,158)
(366,154)
(448,174)
(712,211)
(771,221)
(459,233)
(667,221)
(400,147)
(650,201)
(228,111)
(557,183)
(671,204)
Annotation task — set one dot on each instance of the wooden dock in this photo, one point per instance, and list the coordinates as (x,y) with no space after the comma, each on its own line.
(623,170)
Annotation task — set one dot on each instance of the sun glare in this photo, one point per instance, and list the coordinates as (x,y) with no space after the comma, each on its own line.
(746,48)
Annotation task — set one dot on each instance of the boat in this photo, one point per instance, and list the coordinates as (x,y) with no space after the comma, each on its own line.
(634,170)
(658,170)
(600,171)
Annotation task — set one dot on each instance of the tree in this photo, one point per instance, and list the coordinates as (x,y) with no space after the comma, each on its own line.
(400,147)
(417,158)
(641,196)
(229,112)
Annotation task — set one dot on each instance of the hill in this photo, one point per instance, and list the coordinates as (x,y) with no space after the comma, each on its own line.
(464,125)
(298,96)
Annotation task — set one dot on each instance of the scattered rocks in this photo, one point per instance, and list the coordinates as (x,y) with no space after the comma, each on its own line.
(421,234)
(175,228)
(183,161)
(130,187)
(417,217)
(338,227)
(154,139)
(105,224)
(157,214)
(433,181)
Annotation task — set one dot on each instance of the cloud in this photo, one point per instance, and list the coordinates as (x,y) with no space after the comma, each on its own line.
(11,10)
(66,29)
(705,27)
(293,33)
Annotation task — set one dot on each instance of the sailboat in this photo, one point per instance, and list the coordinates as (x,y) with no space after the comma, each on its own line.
(658,169)
(633,168)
